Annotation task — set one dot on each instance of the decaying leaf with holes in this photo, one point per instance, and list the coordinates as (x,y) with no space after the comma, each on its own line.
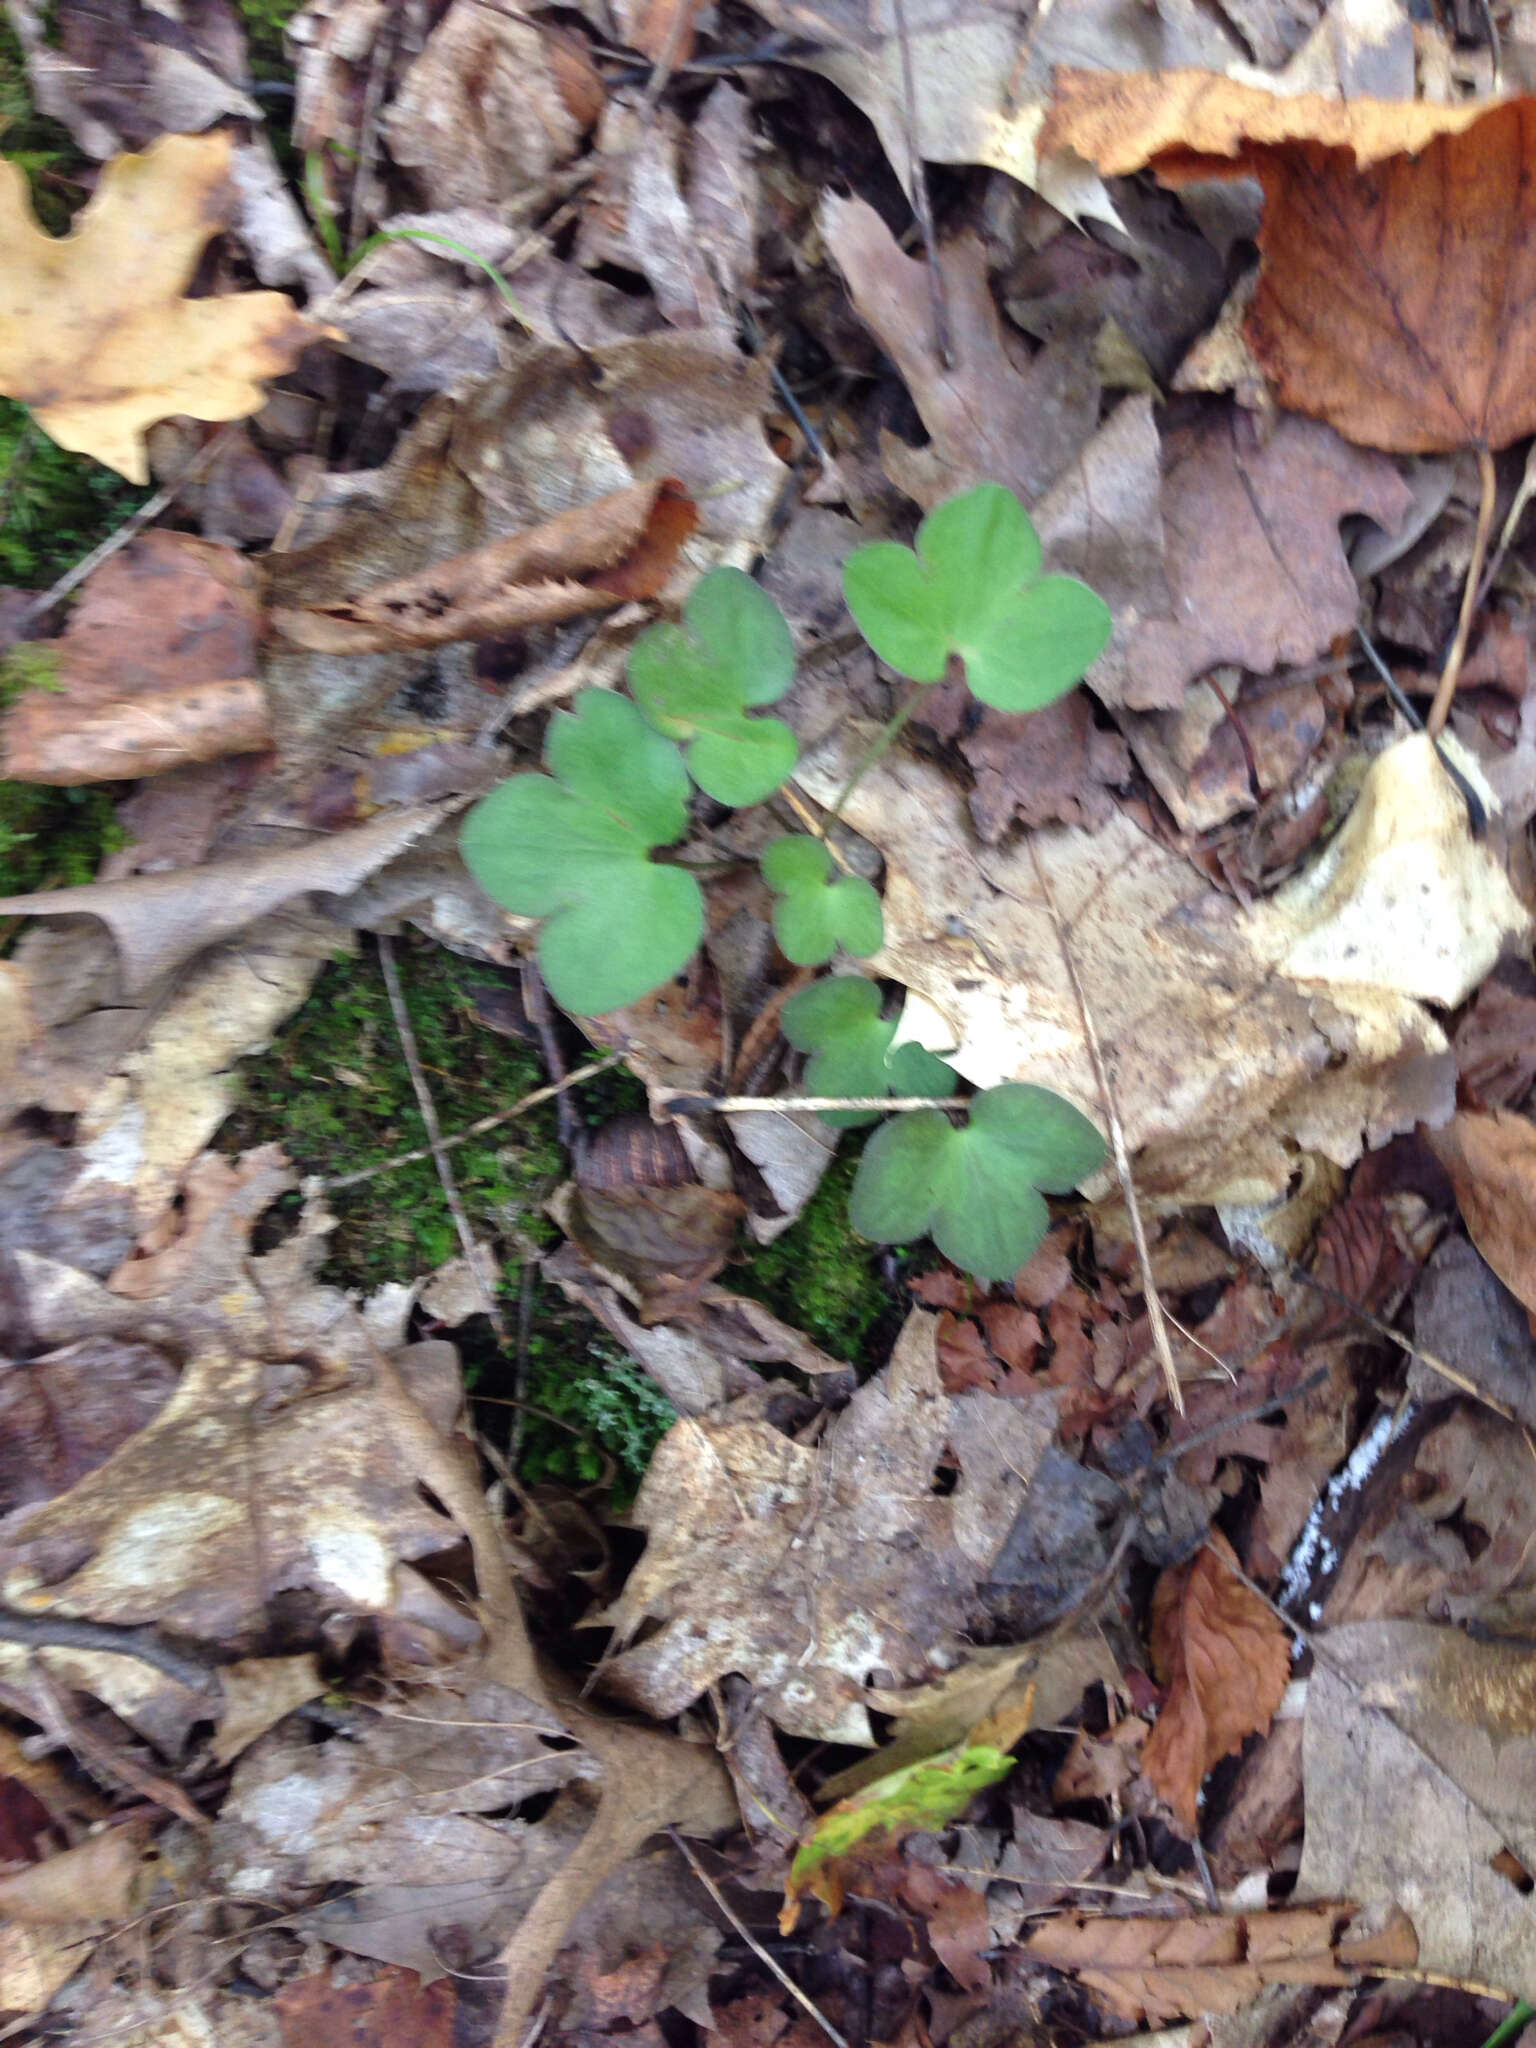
(96,337)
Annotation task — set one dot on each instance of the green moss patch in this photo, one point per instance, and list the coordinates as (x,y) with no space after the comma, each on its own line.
(822,1276)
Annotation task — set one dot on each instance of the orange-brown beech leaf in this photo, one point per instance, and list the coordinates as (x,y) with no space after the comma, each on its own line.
(1492,1163)
(1225,1659)
(1397,293)
(589,559)
(1152,1971)
(156,668)
(1121,120)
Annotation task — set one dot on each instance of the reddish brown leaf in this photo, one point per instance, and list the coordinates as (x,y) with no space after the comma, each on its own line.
(1492,1163)
(1012,1332)
(395,2011)
(157,667)
(964,1359)
(1496,1044)
(619,547)
(1397,295)
(957,1923)
(1225,1659)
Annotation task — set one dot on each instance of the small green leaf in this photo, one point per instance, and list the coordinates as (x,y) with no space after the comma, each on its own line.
(974,588)
(974,1191)
(838,1023)
(813,914)
(927,1795)
(694,682)
(574,846)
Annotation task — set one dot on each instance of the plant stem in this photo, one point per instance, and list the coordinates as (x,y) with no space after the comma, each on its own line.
(1510,2025)
(1440,710)
(887,736)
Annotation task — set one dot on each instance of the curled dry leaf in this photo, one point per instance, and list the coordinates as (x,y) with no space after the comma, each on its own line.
(622,546)
(1225,1659)
(1157,1970)
(1397,292)
(95,335)
(156,667)
(1492,1163)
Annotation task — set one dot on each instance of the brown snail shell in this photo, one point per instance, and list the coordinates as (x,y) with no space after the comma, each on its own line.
(631,1151)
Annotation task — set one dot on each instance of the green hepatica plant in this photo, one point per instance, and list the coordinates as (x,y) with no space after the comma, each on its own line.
(577,847)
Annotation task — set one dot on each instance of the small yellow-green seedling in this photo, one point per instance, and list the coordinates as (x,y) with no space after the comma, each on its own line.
(838,1022)
(574,848)
(813,914)
(975,1190)
(974,587)
(697,683)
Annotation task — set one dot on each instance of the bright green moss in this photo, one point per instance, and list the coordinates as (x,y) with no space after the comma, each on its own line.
(592,1415)
(264,22)
(821,1275)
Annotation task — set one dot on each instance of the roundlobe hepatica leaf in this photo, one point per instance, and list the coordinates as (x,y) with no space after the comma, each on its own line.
(695,683)
(812,914)
(573,847)
(974,588)
(974,1191)
(838,1023)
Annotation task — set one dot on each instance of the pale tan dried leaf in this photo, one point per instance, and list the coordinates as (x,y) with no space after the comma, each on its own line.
(95,335)
(105,1877)
(258,1693)
(1492,1163)
(161,920)
(1226,1660)
(596,556)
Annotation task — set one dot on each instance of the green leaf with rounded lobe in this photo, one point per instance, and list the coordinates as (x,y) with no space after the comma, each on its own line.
(838,1022)
(974,1191)
(974,588)
(695,683)
(813,914)
(574,848)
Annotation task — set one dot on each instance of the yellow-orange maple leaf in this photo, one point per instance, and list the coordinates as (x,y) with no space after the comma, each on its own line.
(95,335)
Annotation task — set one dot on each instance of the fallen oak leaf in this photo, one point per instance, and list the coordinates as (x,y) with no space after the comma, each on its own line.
(1226,1660)
(595,556)
(96,338)
(1397,292)
(161,920)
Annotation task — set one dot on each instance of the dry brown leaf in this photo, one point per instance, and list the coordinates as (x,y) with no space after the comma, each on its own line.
(1496,1042)
(1157,1970)
(95,335)
(490,108)
(161,920)
(156,667)
(1420,1764)
(1044,767)
(1492,1163)
(1225,1659)
(1257,569)
(989,418)
(621,546)
(808,1569)
(398,2009)
(105,1877)
(1395,297)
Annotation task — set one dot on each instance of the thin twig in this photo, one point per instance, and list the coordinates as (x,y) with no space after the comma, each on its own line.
(428,1108)
(678,1102)
(1159,1327)
(69,1632)
(1523,496)
(131,527)
(1440,710)
(477,1129)
(768,1962)
(920,202)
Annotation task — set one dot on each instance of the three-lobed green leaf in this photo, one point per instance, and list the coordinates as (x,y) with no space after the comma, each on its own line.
(974,588)
(573,847)
(696,683)
(838,1022)
(813,914)
(974,1191)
